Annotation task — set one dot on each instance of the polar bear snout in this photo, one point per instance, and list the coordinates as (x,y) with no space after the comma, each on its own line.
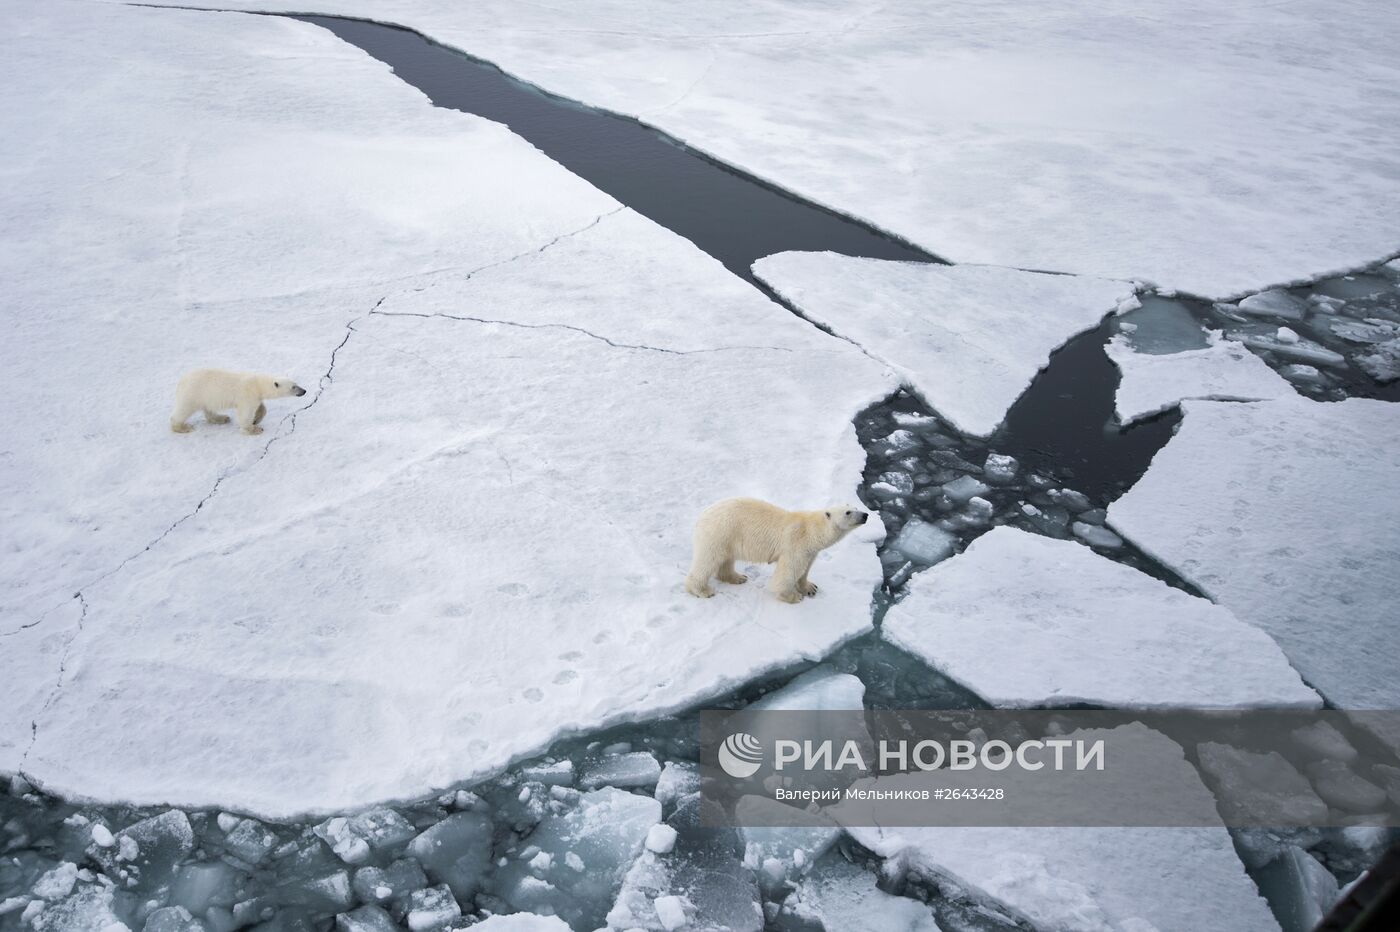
(864,517)
(298,391)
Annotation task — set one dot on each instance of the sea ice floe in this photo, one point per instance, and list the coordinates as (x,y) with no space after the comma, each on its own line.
(1086,629)
(970,339)
(527,442)
(1064,879)
(1224,370)
(1276,510)
(995,134)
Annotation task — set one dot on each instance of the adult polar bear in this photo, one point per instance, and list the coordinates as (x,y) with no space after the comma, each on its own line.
(215,390)
(754,530)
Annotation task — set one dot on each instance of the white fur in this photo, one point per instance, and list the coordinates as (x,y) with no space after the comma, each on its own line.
(755,531)
(215,390)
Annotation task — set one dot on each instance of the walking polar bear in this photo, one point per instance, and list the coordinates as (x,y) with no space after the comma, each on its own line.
(215,390)
(753,530)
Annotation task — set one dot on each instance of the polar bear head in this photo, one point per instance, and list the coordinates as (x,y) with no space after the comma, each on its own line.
(845,518)
(279,386)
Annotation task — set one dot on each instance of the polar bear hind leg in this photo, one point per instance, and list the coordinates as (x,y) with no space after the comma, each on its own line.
(182,413)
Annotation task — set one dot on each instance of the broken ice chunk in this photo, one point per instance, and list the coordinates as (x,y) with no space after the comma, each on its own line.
(456,851)
(606,831)
(1000,468)
(172,919)
(899,441)
(1299,888)
(153,846)
(964,488)
(396,881)
(102,836)
(432,908)
(554,773)
(1321,739)
(1335,782)
(369,918)
(924,543)
(1303,350)
(1258,789)
(249,840)
(671,911)
(352,838)
(1300,372)
(1382,362)
(678,778)
(1274,303)
(1286,335)
(661,838)
(57,883)
(636,768)
(1096,536)
(200,886)
(89,909)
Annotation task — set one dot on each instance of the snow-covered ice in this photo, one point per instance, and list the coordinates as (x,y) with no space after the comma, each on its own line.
(471,537)
(1223,371)
(1034,135)
(1279,511)
(1064,879)
(1085,629)
(968,339)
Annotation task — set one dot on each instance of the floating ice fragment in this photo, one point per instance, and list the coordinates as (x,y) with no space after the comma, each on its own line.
(368,918)
(1258,789)
(1286,335)
(102,836)
(661,838)
(1300,888)
(431,908)
(632,769)
(554,773)
(964,488)
(678,778)
(56,883)
(1339,786)
(172,919)
(1382,363)
(1000,468)
(1304,350)
(456,851)
(250,840)
(1096,536)
(671,911)
(1321,739)
(1274,303)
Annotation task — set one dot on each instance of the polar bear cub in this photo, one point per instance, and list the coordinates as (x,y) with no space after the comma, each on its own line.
(753,530)
(215,390)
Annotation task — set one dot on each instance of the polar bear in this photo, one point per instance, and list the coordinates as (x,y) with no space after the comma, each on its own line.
(214,390)
(753,530)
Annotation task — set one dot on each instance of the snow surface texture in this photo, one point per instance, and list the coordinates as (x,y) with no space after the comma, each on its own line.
(970,340)
(471,535)
(1086,629)
(1223,371)
(1289,521)
(1036,135)
(1093,879)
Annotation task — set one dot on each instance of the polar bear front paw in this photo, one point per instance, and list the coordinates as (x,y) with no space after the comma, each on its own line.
(181,428)
(253,430)
(809,588)
(700,592)
(792,596)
